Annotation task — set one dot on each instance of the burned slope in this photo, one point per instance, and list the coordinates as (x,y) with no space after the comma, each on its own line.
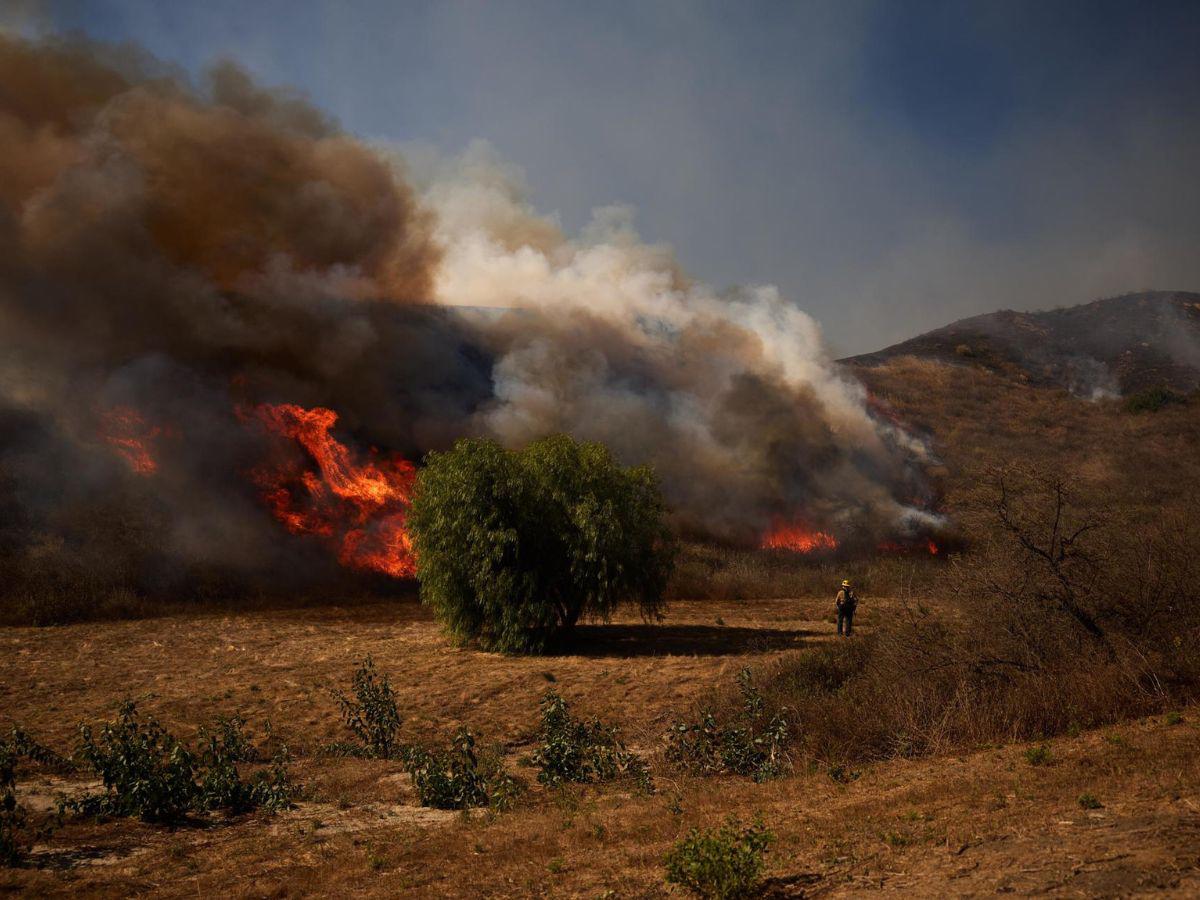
(1118,345)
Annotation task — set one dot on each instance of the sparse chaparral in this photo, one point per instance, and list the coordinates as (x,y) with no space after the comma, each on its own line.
(384,514)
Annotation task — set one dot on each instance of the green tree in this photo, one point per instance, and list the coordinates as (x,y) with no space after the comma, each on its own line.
(514,547)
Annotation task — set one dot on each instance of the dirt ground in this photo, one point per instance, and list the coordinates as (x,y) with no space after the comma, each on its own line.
(981,823)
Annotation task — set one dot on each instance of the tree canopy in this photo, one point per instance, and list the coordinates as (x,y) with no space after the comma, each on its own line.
(514,547)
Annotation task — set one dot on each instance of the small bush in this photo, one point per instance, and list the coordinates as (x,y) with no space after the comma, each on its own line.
(273,788)
(582,752)
(231,734)
(146,772)
(1038,756)
(371,714)
(1088,801)
(751,744)
(461,777)
(149,774)
(720,863)
(13,817)
(1173,718)
(1153,399)
(221,786)
(515,547)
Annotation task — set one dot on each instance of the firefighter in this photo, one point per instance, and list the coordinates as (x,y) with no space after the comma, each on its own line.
(847,602)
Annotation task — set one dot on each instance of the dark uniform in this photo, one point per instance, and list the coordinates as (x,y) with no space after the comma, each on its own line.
(847,602)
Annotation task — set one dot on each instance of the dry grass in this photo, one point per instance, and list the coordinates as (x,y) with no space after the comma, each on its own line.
(1064,620)
(977,420)
(908,825)
(931,798)
(284,664)
(705,572)
(944,824)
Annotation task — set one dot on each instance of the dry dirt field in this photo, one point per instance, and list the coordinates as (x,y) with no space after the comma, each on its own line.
(967,825)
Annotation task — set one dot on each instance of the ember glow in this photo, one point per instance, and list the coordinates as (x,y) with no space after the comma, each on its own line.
(927,546)
(126,430)
(359,506)
(798,538)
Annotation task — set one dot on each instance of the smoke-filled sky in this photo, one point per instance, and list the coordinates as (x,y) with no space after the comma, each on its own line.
(201,276)
(889,166)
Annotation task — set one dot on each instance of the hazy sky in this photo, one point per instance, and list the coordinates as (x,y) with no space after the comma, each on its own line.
(891,166)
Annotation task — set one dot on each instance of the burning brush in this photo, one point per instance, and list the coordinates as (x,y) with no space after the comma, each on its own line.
(426,302)
(359,507)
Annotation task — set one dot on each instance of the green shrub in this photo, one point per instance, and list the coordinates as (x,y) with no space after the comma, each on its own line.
(720,863)
(231,734)
(461,777)
(1038,756)
(273,787)
(149,774)
(221,786)
(514,548)
(1088,801)
(1153,399)
(146,772)
(13,817)
(371,714)
(573,750)
(752,743)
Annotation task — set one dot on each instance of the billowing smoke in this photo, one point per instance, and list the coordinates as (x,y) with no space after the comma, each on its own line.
(169,253)
(173,256)
(729,395)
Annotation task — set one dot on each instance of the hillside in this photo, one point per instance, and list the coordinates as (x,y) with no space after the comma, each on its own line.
(1062,780)
(1118,345)
(983,821)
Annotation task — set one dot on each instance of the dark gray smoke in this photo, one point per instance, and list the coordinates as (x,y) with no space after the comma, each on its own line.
(169,251)
(172,252)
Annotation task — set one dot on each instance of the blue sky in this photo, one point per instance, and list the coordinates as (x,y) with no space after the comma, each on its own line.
(891,166)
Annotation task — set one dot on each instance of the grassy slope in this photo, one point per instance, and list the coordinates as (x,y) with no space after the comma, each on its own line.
(976,823)
(1139,463)
(979,822)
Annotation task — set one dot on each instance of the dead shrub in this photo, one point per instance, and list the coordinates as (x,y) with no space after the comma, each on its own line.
(1064,618)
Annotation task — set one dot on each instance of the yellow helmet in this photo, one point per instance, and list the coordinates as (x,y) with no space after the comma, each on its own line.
(845,583)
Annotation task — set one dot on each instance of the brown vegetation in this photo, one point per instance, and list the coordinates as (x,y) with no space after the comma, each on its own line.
(1071,609)
(1140,464)
(1059,622)
(968,823)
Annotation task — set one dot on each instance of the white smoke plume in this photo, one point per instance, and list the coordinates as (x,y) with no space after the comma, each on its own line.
(730,396)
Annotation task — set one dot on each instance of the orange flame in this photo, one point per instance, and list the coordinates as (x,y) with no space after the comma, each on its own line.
(126,430)
(359,506)
(798,538)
